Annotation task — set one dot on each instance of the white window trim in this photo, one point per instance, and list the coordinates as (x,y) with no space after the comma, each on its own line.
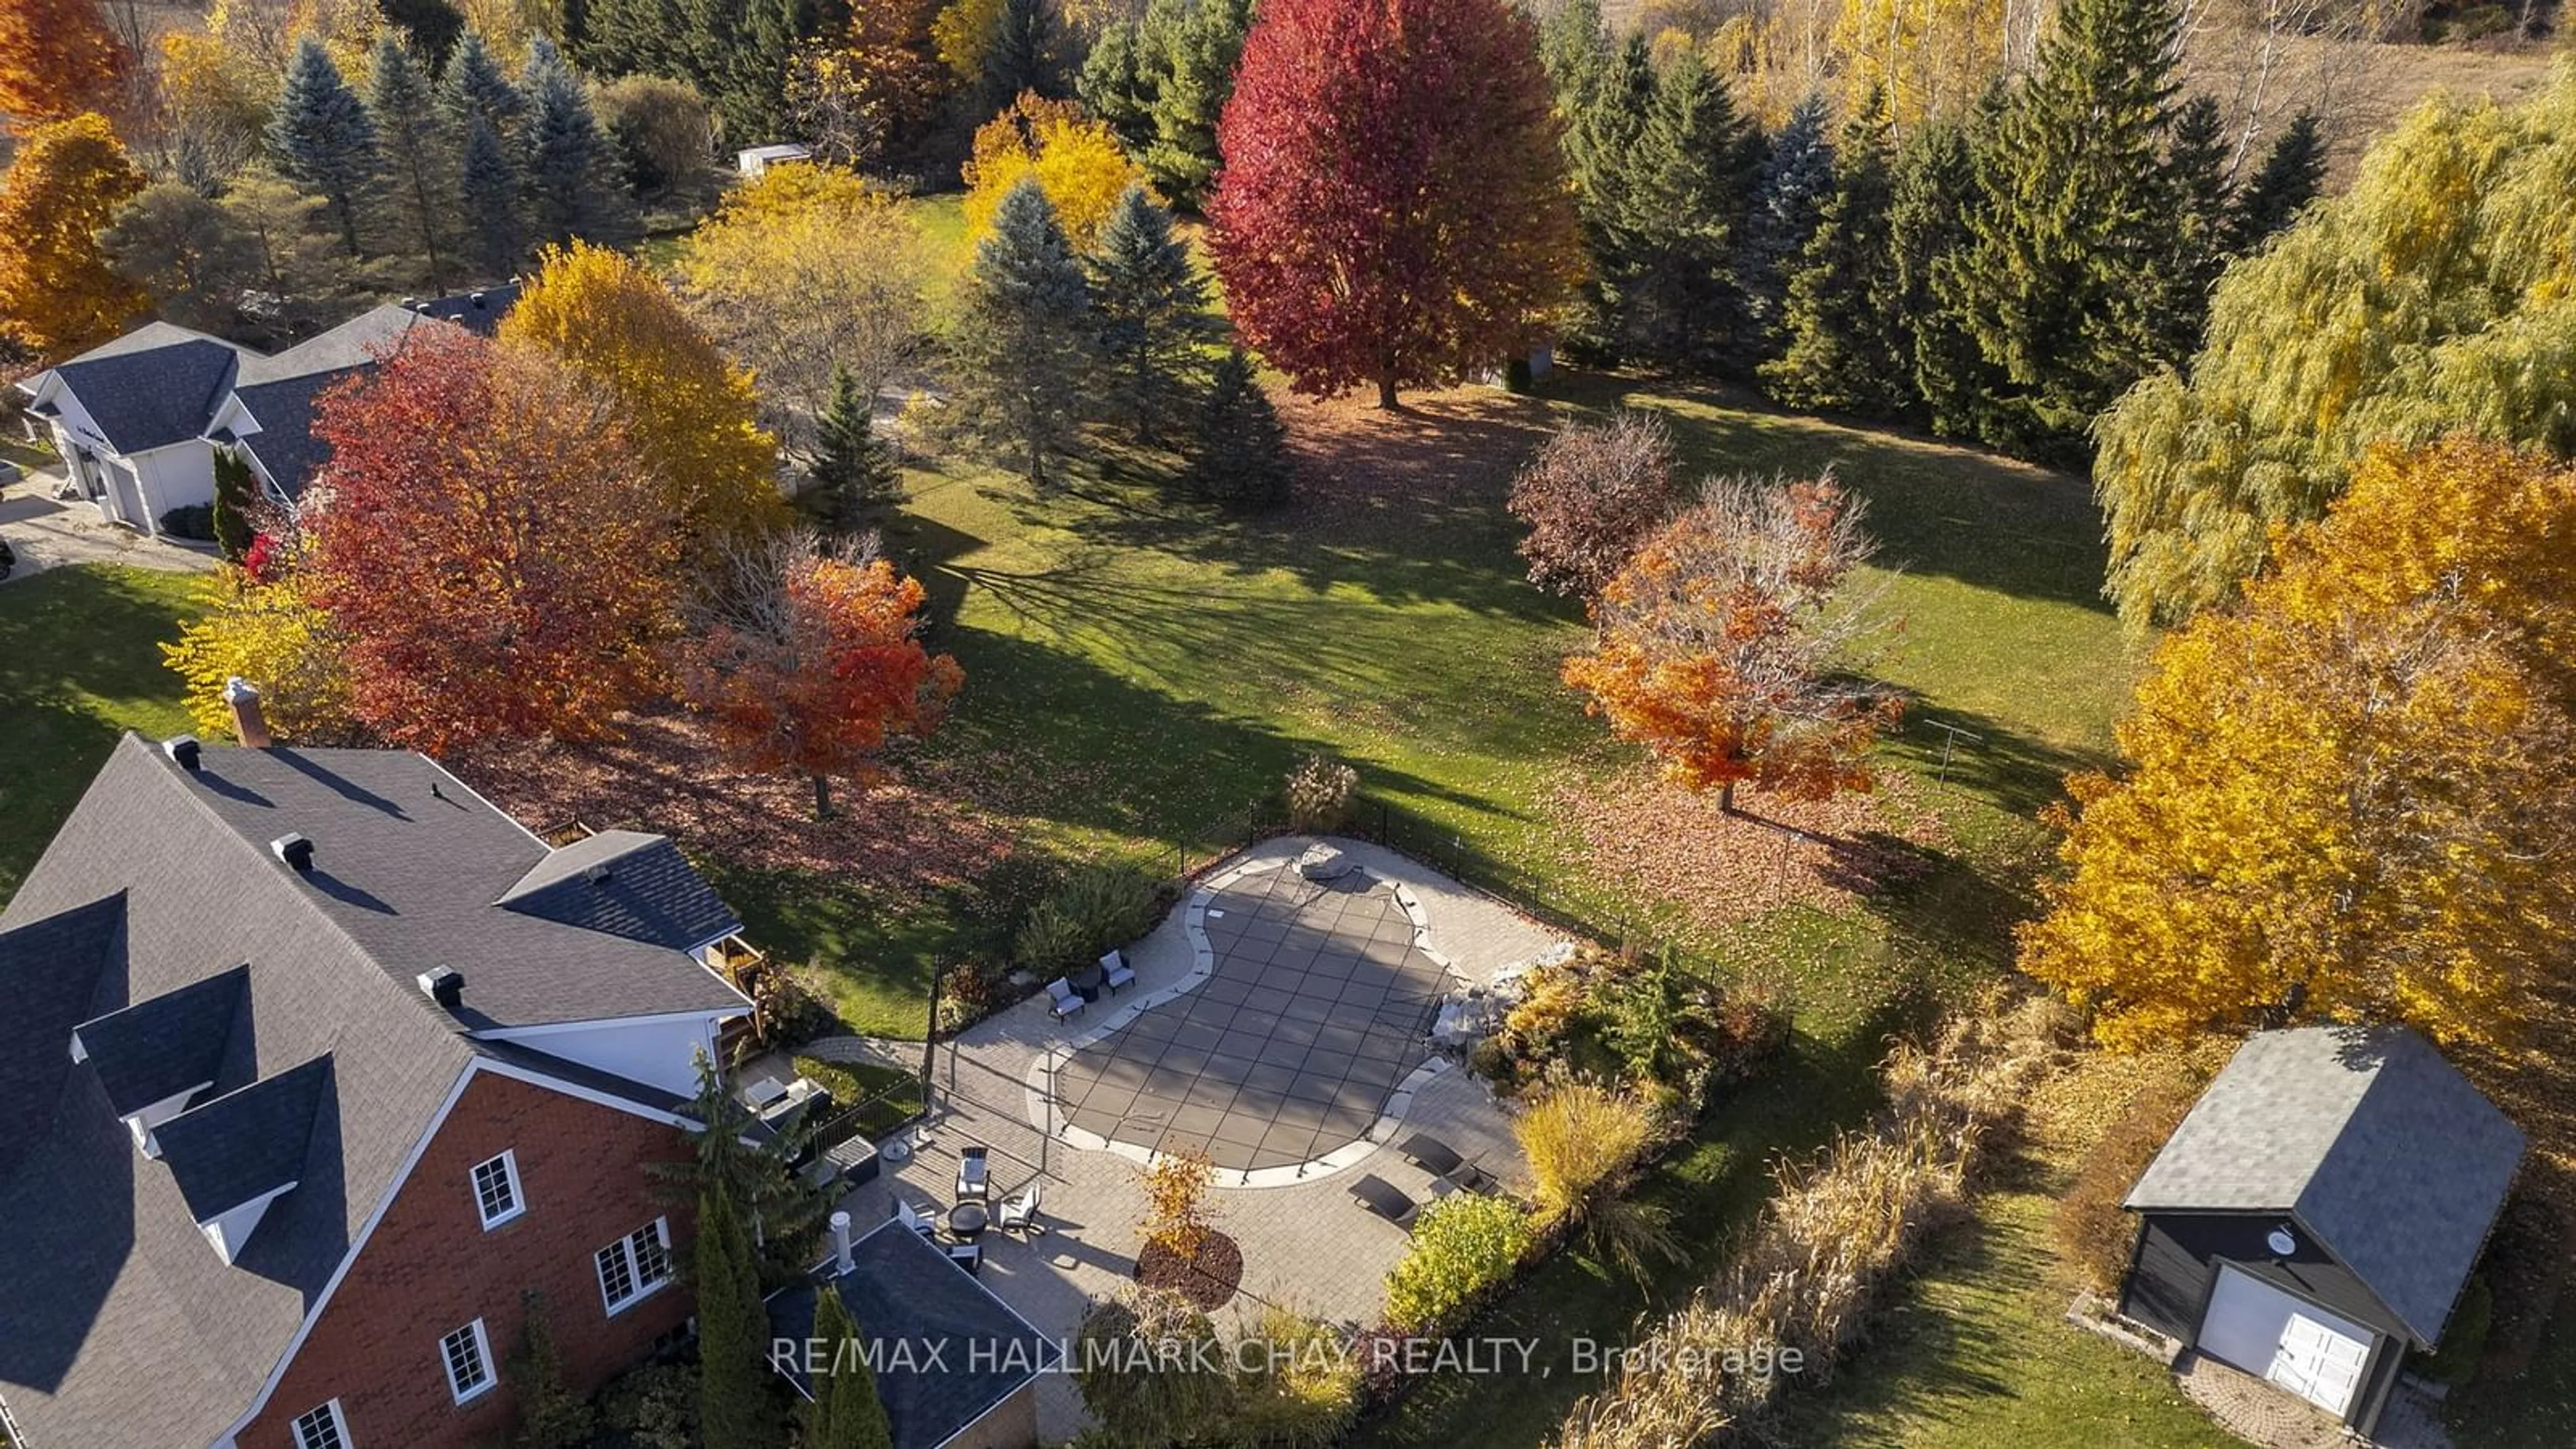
(339,1424)
(509,1161)
(482,1355)
(634,1269)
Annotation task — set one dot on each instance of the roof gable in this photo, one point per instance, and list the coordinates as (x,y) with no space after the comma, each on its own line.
(2378,1146)
(245,1144)
(627,884)
(165,1045)
(51,971)
(152,396)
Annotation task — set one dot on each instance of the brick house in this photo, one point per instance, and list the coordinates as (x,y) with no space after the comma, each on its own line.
(312,1063)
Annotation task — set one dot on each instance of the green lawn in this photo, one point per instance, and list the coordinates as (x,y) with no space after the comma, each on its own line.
(78,665)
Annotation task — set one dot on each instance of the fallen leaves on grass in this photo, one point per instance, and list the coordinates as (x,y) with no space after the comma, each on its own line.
(1659,844)
(1441,450)
(914,830)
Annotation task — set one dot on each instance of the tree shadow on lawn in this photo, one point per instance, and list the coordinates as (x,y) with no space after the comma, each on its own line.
(2001,765)
(1936,507)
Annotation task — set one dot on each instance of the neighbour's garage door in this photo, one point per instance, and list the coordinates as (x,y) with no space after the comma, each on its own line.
(2290,1341)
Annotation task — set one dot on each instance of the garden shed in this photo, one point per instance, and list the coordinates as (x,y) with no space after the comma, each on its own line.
(2319,1211)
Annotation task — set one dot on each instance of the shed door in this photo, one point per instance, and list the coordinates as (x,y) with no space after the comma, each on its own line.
(2287,1340)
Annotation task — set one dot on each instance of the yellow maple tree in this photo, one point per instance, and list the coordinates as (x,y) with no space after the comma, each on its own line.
(690,412)
(58,295)
(273,636)
(1077,161)
(2349,799)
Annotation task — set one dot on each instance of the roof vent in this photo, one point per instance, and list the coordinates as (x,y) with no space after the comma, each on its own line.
(295,850)
(596,874)
(182,750)
(444,985)
(478,301)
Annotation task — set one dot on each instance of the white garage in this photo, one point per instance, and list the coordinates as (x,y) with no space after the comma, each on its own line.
(2286,1339)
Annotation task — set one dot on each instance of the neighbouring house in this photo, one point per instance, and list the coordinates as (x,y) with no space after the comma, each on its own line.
(312,1064)
(755,161)
(955,1366)
(137,421)
(2318,1213)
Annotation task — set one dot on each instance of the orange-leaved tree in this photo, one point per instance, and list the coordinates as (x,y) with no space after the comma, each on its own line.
(689,412)
(58,295)
(487,544)
(58,58)
(808,657)
(2348,799)
(1726,643)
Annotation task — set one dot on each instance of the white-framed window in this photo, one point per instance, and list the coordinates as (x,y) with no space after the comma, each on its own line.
(321,1427)
(496,1190)
(635,1265)
(467,1356)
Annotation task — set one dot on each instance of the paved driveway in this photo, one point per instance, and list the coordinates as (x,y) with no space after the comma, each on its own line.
(49,533)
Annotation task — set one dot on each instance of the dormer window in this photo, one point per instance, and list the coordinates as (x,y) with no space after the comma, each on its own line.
(496,1190)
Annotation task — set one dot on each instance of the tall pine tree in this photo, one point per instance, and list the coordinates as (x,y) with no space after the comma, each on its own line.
(1152,303)
(2292,174)
(570,162)
(1024,335)
(475,88)
(2196,175)
(1204,46)
(853,471)
(1848,348)
(1789,195)
(1574,46)
(419,149)
(493,202)
(846,1412)
(1240,457)
(324,141)
(2072,247)
(1022,55)
(1935,186)
(1677,222)
(1611,104)
(733,1330)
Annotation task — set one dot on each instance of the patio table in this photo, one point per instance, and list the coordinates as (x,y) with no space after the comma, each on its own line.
(967,1221)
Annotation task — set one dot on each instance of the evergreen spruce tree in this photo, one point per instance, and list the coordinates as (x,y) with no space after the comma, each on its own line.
(493,195)
(1848,347)
(845,1412)
(323,140)
(1789,195)
(1613,106)
(2196,175)
(1200,49)
(569,159)
(1676,223)
(1240,456)
(752,1176)
(1119,80)
(1935,192)
(2062,285)
(429,29)
(733,1330)
(419,149)
(551,1415)
(623,37)
(1152,304)
(235,492)
(1025,333)
(1574,45)
(738,56)
(476,89)
(2293,172)
(853,470)
(1022,57)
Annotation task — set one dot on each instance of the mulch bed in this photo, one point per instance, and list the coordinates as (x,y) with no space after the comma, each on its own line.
(914,829)
(1210,1280)
(1660,844)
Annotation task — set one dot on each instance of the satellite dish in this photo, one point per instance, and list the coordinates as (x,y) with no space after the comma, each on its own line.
(2282,1241)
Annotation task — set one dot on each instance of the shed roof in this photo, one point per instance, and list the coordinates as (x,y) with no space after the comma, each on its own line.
(2366,1137)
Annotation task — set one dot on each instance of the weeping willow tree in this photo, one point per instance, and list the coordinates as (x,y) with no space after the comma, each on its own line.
(2436,296)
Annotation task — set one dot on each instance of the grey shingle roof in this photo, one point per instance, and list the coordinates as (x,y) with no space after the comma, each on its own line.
(250,1141)
(2368,1138)
(151,397)
(628,884)
(162,1046)
(161,879)
(901,1289)
(285,445)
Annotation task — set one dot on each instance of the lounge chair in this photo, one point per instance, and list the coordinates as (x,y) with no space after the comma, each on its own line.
(1114,970)
(1442,1161)
(922,1223)
(1062,999)
(1019,1212)
(1384,1199)
(974,1183)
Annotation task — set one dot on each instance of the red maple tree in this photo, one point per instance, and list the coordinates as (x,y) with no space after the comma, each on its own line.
(1392,206)
(501,564)
(809,658)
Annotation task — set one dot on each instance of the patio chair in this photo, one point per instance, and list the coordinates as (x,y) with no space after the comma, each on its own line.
(1442,1161)
(1115,971)
(920,1222)
(1019,1211)
(1385,1199)
(974,1182)
(969,1256)
(1062,999)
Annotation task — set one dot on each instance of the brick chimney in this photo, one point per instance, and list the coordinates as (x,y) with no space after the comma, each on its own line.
(249,725)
